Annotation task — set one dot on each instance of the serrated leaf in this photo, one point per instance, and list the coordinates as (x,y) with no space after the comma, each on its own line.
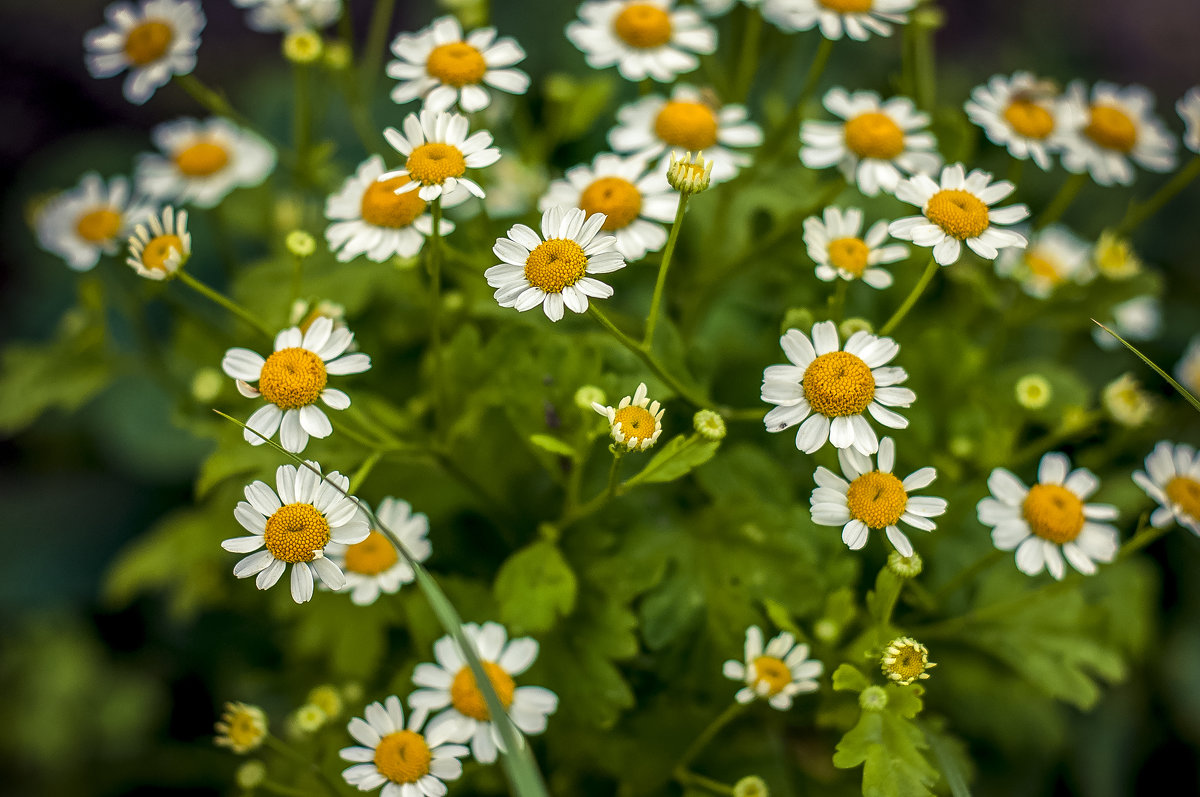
(889,746)
(677,458)
(552,444)
(535,587)
(848,678)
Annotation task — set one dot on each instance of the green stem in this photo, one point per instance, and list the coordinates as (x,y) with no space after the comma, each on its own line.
(915,294)
(613,473)
(435,279)
(223,300)
(791,124)
(1139,212)
(749,56)
(706,736)
(573,513)
(364,470)
(663,265)
(1144,535)
(377,39)
(1016,168)
(285,750)
(1062,200)
(1052,439)
(692,397)
(283,791)
(686,778)
(297,279)
(837,302)
(302,119)
(966,575)
(924,69)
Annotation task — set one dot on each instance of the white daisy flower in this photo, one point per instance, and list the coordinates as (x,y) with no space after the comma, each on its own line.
(1019,113)
(406,760)
(154,42)
(203,161)
(268,16)
(877,144)
(957,212)
(636,422)
(644,39)
(1188,108)
(856,19)
(836,247)
(1188,369)
(1101,136)
(449,684)
(437,154)
(368,217)
(688,122)
(1055,256)
(1172,478)
(442,67)
(778,672)
(1049,521)
(1139,318)
(160,246)
(294,526)
(833,388)
(373,566)
(554,272)
(871,497)
(291,380)
(89,220)
(634,201)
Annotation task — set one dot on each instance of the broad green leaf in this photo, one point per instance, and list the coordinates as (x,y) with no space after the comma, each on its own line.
(553,445)
(890,748)
(535,587)
(677,458)
(847,678)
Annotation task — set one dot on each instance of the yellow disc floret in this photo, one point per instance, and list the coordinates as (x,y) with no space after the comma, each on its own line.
(382,207)
(643,26)
(838,383)
(202,159)
(456,64)
(292,378)
(158,250)
(636,424)
(99,225)
(847,6)
(772,673)
(295,532)
(372,556)
(849,254)
(1184,492)
(1111,128)
(555,264)
(688,125)
(874,135)
(906,660)
(1053,513)
(877,499)
(1029,119)
(468,700)
(616,198)
(242,727)
(148,42)
(403,757)
(959,213)
(432,163)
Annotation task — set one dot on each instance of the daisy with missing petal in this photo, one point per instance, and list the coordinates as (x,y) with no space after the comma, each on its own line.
(373,566)
(777,673)
(89,220)
(1049,521)
(449,684)
(688,122)
(554,272)
(437,154)
(202,162)
(1188,369)
(957,212)
(647,39)
(368,217)
(1020,113)
(442,67)
(158,248)
(1118,124)
(1172,478)
(833,389)
(634,202)
(404,759)
(835,246)
(636,422)
(1055,256)
(872,498)
(267,16)
(154,42)
(1188,108)
(856,19)
(293,527)
(291,380)
(877,144)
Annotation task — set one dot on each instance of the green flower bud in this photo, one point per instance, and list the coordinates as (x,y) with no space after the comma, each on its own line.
(709,425)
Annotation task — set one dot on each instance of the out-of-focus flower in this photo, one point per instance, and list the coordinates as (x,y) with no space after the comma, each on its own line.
(89,220)
(202,161)
(643,39)
(154,42)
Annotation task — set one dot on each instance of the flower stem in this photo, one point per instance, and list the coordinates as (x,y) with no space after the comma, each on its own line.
(302,119)
(364,470)
(285,750)
(435,277)
(223,300)
(377,36)
(837,302)
(665,264)
(966,574)
(1062,200)
(216,103)
(924,21)
(686,778)
(1140,211)
(796,115)
(284,791)
(681,772)
(694,398)
(898,316)
(750,53)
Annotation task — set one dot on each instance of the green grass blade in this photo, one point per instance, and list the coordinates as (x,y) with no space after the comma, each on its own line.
(1183,391)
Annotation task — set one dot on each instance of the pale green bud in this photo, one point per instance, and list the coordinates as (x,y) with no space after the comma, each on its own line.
(1033,391)
(250,774)
(709,425)
(302,46)
(751,786)
(905,566)
(207,384)
(690,174)
(588,395)
(873,698)
(852,325)
(300,243)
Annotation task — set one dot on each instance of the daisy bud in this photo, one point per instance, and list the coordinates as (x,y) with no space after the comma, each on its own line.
(751,786)
(873,698)
(242,727)
(1126,401)
(1033,391)
(326,698)
(905,661)
(797,318)
(309,718)
(905,566)
(852,325)
(300,243)
(337,56)
(689,174)
(709,425)
(588,395)
(826,630)
(302,46)
(251,774)
(1115,258)
(207,384)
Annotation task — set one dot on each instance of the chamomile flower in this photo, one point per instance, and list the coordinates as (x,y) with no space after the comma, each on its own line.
(406,760)
(1116,126)
(835,245)
(634,202)
(293,526)
(1188,369)
(89,220)
(1127,402)
(905,661)
(292,379)
(1054,257)
(442,67)
(878,143)
(1139,318)
(242,727)
(367,216)
(437,154)
(831,389)
(154,42)
(450,685)
(1049,521)
(267,16)
(643,39)
(688,122)
(1172,478)
(870,497)
(777,673)
(635,422)
(1020,113)
(203,161)
(373,566)
(1188,108)
(553,270)
(957,212)
(161,245)
(855,19)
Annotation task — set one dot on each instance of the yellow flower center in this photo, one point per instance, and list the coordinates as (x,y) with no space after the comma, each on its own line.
(403,757)
(636,423)
(159,249)
(1184,492)
(959,213)
(372,556)
(874,135)
(555,264)
(687,125)
(148,41)
(616,198)
(295,532)
(242,727)
(99,225)
(1029,119)
(838,383)
(643,25)
(456,64)
(432,163)
(292,378)
(468,700)
(849,254)
(1111,128)
(877,499)
(1053,512)
(905,663)
(772,672)
(383,207)
(201,159)
(847,6)
(1043,267)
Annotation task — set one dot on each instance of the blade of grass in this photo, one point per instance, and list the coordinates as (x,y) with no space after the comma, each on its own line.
(1183,391)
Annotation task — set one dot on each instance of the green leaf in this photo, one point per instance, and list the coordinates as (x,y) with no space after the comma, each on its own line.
(1180,389)
(552,444)
(535,587)
(676,459)
(848,678)
(889,746)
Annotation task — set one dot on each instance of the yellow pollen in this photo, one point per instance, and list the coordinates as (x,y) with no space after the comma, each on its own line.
(877,499)
(555,264)
(403,757)
(292,378)
(959,213)
(432,163)
(456,64)
(98,225)
(148,42)
(874,135)
(295,532)
(636,423)
(687,125)
(1043,267)
(773,672)
(382,207)
(643,26)
(616,198)
(1029,119)
(905,661)
(1053,512)
(847,6)
(1111,128)
(466,697)
(849,254)
(838,383)
(1184,492)
(201,159)
(157,250)
(372,556)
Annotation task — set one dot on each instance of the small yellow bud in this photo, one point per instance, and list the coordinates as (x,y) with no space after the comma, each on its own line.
(337,55)
(309,718)
(300,243)
(905,566)
(751,786)
(1126,401)
(250,774)
(207,384)
(1115,257)
(905,661)
(873,698)
(1033,391)
(327,698)
(302,46)
(689,174)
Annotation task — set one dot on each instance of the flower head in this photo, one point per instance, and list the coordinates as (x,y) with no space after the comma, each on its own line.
(201,162)
(1033,391)
(1127,402)
(1139,318)
(302,46)
(154,42)
(404,759)
(1188,108)
(158,248)
(905,661)
(1188,369)
(855,19)
(1054,257)
(636,422)
(1020,113)
(89,220)
(242,727)
(836,244)
(268,16)
(690,174)
(1117,125)
(777,672)
(709,425)
(1115,258)
(1172,478)
(437,154)
(372,566)
(643,39)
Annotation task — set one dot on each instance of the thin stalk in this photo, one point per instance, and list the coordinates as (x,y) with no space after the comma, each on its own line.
(297,279)
(1062,200)
(898,316)
(688,778)
(377,39)
(705,737)
(284,791)
(664,264)
(796,115)
(1140,211)
(434,263)
(223,300)
(692,397)
(364,470)
(924,69)
(748,58)
(837,302)
(1141,538)
(279,746)
(215,102)
(302,118)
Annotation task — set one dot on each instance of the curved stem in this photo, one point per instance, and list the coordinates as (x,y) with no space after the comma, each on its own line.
(692,397)
(302,119)
(706,736)
(285,750)
(796,115)
(898,316)
(1139,212)
(837,302)
(364,470)
(660,283)
(748,58)
(1062,200)
(223,300)
(377,39)
(435,278)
